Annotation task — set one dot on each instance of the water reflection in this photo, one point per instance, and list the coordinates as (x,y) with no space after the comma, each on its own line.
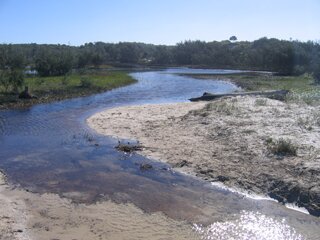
(250,225)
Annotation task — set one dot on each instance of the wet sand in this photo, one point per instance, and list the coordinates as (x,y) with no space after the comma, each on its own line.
(25,215)
(229,141)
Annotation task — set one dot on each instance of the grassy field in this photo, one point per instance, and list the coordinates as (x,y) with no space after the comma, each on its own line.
(302,88)
(49,89)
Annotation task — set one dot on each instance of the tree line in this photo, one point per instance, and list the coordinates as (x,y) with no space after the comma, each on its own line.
(281,56)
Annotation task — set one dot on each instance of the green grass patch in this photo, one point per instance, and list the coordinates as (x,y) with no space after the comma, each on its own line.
(62,87)
(76,82)
(268,82)
(302,88)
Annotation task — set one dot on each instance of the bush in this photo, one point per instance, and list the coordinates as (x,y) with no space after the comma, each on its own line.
(85,82)
(221,107)
(16,79)
(51,63)
(4,81)
(11,80)
(282,147)
(64,80)
(260,102)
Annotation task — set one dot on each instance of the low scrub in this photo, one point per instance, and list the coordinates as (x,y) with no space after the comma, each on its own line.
(309,122)
(282,147)
(309,96)
(221,107)
(85,82)
(260,102)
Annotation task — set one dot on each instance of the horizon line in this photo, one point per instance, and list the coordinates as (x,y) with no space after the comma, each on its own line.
(316,41)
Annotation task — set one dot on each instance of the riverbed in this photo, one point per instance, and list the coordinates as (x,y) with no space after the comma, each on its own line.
(49,149)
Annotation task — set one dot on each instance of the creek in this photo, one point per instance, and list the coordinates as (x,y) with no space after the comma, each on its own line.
(49,148)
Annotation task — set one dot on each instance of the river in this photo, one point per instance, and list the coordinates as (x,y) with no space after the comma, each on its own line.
(49,148)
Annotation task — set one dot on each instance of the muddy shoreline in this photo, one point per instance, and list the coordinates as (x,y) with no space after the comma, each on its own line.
(230,141)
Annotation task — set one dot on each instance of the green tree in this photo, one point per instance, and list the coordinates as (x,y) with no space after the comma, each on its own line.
(16,79)
(50,63)
(11,80)
(233,38)
(4,80)
(129,53)
(162,55)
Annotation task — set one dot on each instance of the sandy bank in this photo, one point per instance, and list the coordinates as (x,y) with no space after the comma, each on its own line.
(230,140)
(25,216)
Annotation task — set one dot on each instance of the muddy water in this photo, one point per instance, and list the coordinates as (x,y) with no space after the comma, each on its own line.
(48,148)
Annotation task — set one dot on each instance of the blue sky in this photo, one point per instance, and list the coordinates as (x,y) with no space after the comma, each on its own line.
(76,22)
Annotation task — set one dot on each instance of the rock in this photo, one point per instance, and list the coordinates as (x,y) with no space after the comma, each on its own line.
(293,194)
(182,163)
(145,166)
(128,148)
(304,198)
(205,171)
(222,178)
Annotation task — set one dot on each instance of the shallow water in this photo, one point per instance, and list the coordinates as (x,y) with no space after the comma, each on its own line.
(49,148)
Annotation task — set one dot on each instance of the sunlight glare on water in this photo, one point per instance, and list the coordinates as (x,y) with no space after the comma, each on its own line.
(250,225)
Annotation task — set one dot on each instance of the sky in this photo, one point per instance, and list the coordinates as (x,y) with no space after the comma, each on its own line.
(75,22)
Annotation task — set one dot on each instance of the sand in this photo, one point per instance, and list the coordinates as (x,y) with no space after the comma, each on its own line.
(231,141)
(25,215)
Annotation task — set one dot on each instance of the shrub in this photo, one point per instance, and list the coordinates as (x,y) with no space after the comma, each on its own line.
(16,79)
(221,107)
(282,147)
(11,80)
(309,96)
(260,102)
(85,82)
(64,80)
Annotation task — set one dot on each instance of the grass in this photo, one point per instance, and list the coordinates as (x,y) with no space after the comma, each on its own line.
(282,147)
(309,122)
(49,89)
(260,102)
(316,117)
(302,88)
(220,107)
(262,82)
